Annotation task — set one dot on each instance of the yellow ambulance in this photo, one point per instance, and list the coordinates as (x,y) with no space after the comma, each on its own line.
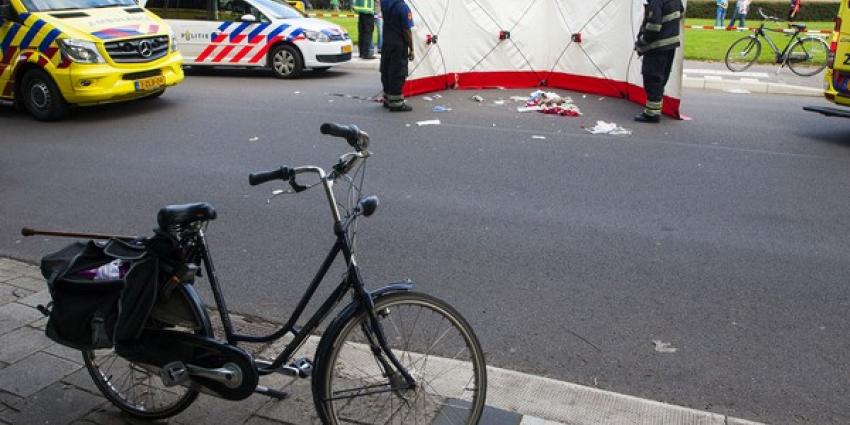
(837,79)
(58,53)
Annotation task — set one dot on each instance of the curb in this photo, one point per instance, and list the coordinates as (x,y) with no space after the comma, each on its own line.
(751,85)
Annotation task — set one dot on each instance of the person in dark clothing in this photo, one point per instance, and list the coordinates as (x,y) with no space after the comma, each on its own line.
(365,26)
(657,43)
(397,50)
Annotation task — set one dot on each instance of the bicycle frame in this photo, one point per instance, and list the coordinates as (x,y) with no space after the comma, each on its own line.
(351,282)
(781,56)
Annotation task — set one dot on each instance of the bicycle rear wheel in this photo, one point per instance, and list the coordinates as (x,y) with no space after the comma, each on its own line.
(743,53)
(433,343)
(808,56)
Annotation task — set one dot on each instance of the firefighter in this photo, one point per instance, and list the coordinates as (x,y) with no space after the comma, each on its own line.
(365,26)
(657,42)
(396,51)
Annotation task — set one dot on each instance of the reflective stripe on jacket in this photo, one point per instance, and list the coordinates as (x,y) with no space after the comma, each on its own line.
(660,28)
(363,6)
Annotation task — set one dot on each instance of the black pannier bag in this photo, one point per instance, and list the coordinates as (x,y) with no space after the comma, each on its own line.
(88,313)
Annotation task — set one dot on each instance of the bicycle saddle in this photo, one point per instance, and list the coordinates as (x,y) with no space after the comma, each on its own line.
(175,215)
(799,27)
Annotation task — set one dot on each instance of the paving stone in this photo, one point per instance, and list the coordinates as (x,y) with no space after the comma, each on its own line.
(298,409)
(9,293)
(56,405)
(39,324)
(28,282)
(82,380)
(6,275)
(39,298)
(258,420)
(33,373)
(14,315)
(19,267)
(108,414)
(211,410)
(66,353)
(9,406)
(21,343)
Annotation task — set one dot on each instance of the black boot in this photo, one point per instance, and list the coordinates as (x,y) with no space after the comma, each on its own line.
(404,107)
(644,117)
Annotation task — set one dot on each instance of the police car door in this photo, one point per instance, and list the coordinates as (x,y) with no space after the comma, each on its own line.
(191,20)
(236,38)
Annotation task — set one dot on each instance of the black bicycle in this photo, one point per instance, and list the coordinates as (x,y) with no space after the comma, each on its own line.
(390,356)
(805,55)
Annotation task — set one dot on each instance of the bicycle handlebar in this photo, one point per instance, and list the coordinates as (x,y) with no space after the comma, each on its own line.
(282,173)
(355,137)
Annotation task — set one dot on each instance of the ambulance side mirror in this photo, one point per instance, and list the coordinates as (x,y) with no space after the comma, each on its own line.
(248,18)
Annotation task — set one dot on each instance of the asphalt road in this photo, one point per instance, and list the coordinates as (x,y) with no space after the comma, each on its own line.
(725,236)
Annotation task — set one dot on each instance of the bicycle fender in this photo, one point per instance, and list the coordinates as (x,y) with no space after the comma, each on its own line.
(353,307)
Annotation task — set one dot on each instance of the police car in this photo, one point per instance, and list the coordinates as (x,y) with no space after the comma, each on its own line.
(253,33)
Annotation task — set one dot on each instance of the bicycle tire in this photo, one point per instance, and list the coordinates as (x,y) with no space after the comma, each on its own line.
(815,54)
(738,57)
(106,385)
(454,390)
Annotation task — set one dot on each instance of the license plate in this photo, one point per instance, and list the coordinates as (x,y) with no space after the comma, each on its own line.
(346,48)
(148,84)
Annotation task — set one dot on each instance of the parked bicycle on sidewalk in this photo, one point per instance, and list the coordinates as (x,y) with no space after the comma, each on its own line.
(390,356)
(804,55)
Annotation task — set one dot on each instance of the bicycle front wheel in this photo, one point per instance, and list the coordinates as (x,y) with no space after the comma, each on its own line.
(808,56)
(743,53)
(433,343)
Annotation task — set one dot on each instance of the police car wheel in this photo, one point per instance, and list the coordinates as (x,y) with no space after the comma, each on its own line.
(41,97)
(286,61)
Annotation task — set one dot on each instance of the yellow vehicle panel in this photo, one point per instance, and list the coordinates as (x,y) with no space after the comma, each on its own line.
(31,41)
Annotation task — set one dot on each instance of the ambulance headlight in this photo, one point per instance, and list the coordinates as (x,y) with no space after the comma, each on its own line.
(173,38)
(80,51)
(317,36)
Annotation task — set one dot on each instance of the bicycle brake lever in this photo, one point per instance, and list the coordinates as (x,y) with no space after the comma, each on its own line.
(296,187)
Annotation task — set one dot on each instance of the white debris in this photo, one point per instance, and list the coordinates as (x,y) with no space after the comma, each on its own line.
(499,102)
(297,92)
(611,128)
(737,91)
(663,347)
(477,98)
(519,98)
(529,108)
(253,139)
(428,98)
(539,137)
(428,122)
(438,96)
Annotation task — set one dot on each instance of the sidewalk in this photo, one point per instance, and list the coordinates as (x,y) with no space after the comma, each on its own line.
(42,382)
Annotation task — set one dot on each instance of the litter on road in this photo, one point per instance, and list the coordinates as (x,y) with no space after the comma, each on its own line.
(610,128)
(428,98)
(253,139)
(499,102)
(428,122)
(539,137)
(477,98)
(442,108)
(552,104)
(663,347)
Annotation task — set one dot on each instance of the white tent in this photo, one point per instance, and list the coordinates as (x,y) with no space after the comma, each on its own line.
(582,45)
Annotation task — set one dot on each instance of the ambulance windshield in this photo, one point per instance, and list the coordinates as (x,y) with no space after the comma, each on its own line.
(46,5)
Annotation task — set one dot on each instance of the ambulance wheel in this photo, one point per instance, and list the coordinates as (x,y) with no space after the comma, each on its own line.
(286,61)
(41,97)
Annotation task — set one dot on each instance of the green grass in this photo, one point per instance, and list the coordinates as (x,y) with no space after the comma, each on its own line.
(711,45)
(705,45)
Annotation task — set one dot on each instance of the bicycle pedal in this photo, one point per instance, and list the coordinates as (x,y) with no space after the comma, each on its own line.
(174,373)
(304,367)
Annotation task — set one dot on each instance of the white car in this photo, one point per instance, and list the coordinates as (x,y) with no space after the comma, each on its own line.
(253,33)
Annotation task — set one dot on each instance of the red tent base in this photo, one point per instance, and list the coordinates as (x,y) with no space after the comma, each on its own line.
(531,79)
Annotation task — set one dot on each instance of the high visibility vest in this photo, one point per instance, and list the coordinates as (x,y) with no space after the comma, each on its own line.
(363,6)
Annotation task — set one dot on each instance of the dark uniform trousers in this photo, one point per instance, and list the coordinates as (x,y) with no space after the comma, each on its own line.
(365,29)
(657,65)
(393,67)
